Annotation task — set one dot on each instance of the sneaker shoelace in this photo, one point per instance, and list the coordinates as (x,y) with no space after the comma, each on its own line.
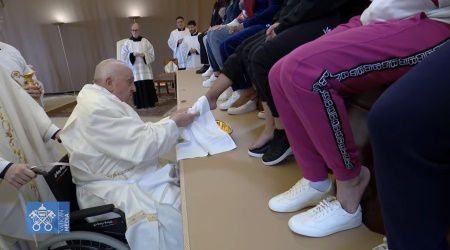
(295,190)
(323,208)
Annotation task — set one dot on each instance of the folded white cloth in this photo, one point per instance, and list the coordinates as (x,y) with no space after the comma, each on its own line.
(170,67)
(203,136)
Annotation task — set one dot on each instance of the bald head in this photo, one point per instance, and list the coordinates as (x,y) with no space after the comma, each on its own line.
(116,77)
(135,30)
(107,68)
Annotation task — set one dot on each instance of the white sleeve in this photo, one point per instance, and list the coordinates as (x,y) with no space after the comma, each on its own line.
(173,41)
(3,164)
(44,124)
(444,3)
(184,48)
(125,54)
(138,141)
(150,53)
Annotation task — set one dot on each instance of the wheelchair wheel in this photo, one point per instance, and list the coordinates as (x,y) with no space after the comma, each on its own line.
(82,240)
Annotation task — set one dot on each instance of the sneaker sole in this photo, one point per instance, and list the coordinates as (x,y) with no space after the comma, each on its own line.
(318,234)
(255,154)
(280,159)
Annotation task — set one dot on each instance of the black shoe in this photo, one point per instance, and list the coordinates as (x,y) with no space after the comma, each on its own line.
(279,149)
(259,152)
(202,69)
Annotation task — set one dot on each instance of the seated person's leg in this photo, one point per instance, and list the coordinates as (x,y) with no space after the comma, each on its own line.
(203,55)
(409,130)
(313,78)
(233,71)
(261,60)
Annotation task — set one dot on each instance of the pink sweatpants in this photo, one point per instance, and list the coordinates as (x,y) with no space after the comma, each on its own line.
(307,85)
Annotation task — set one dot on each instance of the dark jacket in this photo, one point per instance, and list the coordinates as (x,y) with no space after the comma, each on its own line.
(300,11)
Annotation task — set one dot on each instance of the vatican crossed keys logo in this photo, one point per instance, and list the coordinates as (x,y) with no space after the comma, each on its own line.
(48,217)
(42,215)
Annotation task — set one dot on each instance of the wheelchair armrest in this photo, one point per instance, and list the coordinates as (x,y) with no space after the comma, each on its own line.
(94,211)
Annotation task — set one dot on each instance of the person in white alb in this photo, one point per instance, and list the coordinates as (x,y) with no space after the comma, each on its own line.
(114,159)
(175,39)
(190,47)
(12,60)
(138,54)
(24,141)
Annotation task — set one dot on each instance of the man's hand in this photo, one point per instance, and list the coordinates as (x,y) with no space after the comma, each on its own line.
(180,41)
(193,51)
(217,27)
(270,32)
(182,118)
(221,12)
(34,91)
(19,175)
(235,29)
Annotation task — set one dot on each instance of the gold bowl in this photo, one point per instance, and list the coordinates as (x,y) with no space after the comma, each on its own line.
(224,126)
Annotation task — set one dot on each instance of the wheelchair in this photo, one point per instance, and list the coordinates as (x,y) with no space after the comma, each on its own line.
(104,234)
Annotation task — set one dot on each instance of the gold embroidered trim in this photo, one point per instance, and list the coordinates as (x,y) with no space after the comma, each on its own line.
(140,216)
(9,131)
(122,173)
(14,145)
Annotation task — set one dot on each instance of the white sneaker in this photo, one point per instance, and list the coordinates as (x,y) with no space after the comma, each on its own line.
(247,107)
(324,219)
(301,195)
(234,97)
(208,83)
(224,96)
(262,114)
(382,246)
(208,72)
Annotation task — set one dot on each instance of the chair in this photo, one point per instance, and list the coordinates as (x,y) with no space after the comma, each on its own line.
(104,234)
(170,76)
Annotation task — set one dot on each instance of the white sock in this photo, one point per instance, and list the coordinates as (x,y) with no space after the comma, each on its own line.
(321,186)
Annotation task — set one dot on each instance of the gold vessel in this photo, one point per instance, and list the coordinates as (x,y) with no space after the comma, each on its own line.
(29,81)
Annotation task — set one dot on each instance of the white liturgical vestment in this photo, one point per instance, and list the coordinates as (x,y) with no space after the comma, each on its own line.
(142,70)
(176,35)
(114,160)
(24,138)
(192,59)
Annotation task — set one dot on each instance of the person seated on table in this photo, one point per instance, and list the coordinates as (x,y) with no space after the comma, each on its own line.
(308,85)
(114,158)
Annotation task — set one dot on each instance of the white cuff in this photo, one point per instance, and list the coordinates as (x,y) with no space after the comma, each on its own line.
(50,132)
(3,165)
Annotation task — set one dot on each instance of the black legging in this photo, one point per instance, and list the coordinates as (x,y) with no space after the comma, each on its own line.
(266,54)
(203,54)
(252,60)
(236,66)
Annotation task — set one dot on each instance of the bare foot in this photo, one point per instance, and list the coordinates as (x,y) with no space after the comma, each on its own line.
(349,193)
(246,95)
(263,138)
(211,100)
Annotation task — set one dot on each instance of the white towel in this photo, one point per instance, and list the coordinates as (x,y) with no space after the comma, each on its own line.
(170,67)
(203,136)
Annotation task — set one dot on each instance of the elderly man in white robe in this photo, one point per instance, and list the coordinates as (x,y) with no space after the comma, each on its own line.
(24,141)
(138,54)
(12,60)
(114,158)
(175,39)
(190,47)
